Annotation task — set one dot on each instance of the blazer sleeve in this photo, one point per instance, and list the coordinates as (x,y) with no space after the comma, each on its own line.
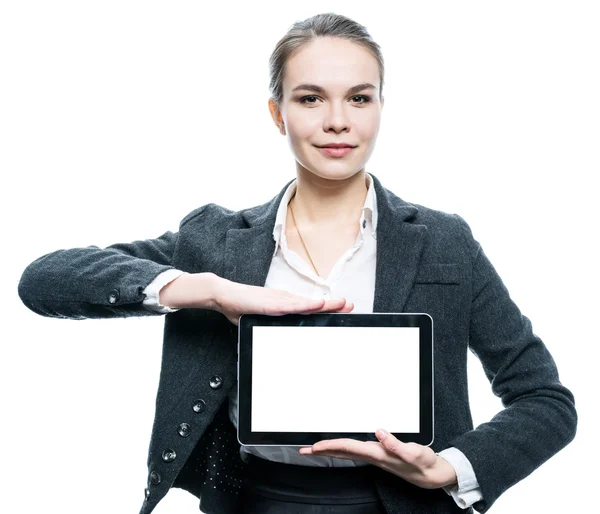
(93,282)
(539,416)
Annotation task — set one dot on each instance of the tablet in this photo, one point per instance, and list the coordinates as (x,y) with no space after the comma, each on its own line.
(303,378)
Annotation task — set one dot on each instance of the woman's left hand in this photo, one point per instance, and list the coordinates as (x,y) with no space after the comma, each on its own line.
(413,462)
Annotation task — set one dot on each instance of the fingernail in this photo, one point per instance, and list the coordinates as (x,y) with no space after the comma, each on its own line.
(381,433)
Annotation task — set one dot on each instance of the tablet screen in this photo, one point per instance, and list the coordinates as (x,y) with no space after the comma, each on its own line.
(335,379)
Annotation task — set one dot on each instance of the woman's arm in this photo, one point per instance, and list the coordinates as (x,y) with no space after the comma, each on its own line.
(539,417)
(177,289)
(91,282)
(156,288)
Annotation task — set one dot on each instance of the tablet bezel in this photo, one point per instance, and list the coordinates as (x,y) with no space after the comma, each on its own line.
(426,405)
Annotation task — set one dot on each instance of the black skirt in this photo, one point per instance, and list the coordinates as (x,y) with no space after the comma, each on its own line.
(275,488)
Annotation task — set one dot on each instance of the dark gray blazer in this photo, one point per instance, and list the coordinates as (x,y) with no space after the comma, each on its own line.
(427,261)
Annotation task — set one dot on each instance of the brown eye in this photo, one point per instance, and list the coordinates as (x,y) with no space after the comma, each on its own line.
(304,98)
(366,98)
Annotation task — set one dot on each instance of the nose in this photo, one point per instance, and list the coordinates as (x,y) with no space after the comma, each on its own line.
(336,118)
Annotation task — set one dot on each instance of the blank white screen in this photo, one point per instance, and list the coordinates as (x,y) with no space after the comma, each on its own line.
(335,379)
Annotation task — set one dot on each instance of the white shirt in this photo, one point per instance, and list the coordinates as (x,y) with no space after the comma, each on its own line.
(352,277)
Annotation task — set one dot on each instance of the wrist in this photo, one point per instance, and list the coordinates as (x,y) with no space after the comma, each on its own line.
(190,290)
(218,291)
(444,474)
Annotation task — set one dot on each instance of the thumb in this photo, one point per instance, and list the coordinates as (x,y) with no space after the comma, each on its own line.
(392,444)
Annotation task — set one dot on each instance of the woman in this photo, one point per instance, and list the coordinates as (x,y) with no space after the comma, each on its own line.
(347,245)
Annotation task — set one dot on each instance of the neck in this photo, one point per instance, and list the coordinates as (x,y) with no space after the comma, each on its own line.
(321,202)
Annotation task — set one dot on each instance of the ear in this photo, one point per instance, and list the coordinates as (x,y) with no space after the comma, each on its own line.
(276,115)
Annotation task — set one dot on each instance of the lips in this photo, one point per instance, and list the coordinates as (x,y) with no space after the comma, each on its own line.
(336,151)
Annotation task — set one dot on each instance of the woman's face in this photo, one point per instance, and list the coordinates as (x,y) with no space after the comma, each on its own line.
(334,114)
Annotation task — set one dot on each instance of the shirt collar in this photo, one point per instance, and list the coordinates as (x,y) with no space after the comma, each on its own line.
(369,210)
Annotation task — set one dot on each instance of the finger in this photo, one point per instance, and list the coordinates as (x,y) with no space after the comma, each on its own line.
(313,304)
(345,445)
(408,452)
(305,305)
(348,307)
(334,305)
(328,306)
(345,309)
(370,451)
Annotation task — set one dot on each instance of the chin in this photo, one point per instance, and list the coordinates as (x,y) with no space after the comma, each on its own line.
(341,173)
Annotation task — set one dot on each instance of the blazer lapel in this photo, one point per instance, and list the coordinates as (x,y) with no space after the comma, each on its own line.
(248,251)
(399,246)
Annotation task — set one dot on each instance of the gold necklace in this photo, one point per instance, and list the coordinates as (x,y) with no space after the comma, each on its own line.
(302,240)
(298,230)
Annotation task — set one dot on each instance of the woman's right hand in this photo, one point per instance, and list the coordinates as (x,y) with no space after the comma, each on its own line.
(234,299)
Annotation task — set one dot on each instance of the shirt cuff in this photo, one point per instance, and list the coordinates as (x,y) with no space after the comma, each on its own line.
(154,287)
(467,491)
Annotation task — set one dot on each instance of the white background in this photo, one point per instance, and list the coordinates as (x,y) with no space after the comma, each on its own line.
(117,118)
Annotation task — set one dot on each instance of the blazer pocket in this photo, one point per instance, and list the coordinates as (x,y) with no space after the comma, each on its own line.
(438,273)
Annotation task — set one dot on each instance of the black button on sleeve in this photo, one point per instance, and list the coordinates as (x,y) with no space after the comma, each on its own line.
(113,296)
(155,478)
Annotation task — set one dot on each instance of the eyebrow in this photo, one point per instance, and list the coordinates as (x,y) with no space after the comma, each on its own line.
(319,89)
